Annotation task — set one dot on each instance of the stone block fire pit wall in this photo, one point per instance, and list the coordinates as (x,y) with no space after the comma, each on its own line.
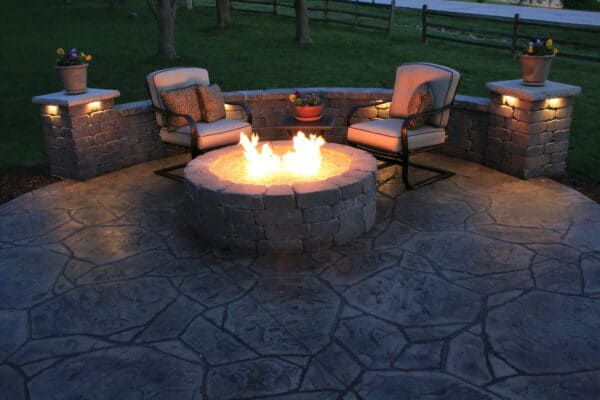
(296,217)
(520,130)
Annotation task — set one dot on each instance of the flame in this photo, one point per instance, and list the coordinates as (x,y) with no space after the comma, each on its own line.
(303,160)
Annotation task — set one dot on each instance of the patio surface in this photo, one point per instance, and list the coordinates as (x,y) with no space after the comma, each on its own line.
(482,286)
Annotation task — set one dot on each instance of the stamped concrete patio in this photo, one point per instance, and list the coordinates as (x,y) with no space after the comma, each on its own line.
(482,286)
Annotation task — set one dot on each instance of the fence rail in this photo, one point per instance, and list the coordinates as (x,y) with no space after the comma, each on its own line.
(511,39)
(354,12)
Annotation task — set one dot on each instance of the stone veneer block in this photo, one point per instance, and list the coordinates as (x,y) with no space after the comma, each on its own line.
(282,218)
(527,126)
(315,194)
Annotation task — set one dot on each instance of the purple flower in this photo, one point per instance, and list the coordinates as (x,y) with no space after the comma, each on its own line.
(73,50)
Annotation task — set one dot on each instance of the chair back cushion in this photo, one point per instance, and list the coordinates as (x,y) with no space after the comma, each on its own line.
(173,78)
(211,102)
(442,82)
(181,101)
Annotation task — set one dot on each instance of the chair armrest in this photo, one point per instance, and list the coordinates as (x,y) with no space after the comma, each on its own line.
(412,117)
(353,110)
(244,107)
(193,130)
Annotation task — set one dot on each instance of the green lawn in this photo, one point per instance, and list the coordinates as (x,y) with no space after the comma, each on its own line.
(257,52)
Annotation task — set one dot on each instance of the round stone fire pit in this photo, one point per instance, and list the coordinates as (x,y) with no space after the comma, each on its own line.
(286,216)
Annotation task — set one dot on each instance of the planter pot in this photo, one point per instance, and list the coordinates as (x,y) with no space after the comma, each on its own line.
(309,113)
(535,69)
(73,78)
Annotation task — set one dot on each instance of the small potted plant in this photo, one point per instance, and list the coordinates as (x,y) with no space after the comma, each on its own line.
(536,60)
(307,106)
(72,70)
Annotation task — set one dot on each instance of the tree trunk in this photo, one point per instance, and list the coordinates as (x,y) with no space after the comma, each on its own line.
(223,18)
(190,4)
(165,12)
(302,31)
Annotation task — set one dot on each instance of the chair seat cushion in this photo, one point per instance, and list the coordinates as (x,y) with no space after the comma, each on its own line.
(385,134)
(210,135)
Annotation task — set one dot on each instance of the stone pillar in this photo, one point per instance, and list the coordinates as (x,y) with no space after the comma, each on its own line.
(86,135)
(529,126)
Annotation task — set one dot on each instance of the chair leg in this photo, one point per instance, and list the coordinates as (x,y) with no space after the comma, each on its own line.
(405,164)
(166,172)
(440,174)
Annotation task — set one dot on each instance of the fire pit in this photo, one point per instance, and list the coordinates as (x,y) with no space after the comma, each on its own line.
(292,196)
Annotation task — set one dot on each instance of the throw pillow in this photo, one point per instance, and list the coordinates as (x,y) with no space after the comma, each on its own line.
(420,101)
(182,101)
(212,103)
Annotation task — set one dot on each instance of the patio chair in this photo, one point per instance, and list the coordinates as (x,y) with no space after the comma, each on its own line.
(191,133)
(393,140)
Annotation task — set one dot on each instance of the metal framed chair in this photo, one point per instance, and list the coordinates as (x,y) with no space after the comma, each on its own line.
(197,137)
(391,140)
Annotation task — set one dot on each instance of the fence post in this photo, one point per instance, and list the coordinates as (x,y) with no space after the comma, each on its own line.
(515,35)
(392,17)
(274,7)
(424,30)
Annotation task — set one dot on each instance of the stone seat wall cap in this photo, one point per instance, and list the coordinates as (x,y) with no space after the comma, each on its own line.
(532,93)
(471,103)
(61,99)
(141,104)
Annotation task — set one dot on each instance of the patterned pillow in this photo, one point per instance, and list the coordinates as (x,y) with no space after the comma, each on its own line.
(212,103)
(420,101)
(182,101)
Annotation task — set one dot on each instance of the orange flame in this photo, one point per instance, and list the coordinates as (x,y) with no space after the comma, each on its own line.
(303,160)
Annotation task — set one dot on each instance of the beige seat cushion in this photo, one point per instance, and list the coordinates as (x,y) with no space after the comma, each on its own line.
(181,101)
(212,103)
(385,134)
(210,135)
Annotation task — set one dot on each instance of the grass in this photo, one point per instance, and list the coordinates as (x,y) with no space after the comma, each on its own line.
(257,52)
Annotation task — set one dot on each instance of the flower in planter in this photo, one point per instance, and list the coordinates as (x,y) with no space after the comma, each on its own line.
(72,57)
(540,47)
(305,99)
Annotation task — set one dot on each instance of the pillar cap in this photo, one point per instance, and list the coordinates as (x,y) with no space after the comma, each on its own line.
(61,99)
(516,89)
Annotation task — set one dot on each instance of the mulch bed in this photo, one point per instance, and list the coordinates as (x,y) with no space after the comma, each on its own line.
(17,181)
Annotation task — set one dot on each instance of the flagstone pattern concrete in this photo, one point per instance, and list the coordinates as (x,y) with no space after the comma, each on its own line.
(481,286)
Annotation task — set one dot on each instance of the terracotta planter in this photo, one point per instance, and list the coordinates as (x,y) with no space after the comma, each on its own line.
(73,78)
(309,113)
(535,69)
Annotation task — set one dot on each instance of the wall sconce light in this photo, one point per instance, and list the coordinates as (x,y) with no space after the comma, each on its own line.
(555,102)
(52,109)
(509,100)
(93,106)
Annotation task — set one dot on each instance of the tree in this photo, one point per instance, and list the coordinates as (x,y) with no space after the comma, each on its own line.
(302,32)
(223,18)
(165,12)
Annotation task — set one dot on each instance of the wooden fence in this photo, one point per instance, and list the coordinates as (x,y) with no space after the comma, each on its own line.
(354,13)
(512,39)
